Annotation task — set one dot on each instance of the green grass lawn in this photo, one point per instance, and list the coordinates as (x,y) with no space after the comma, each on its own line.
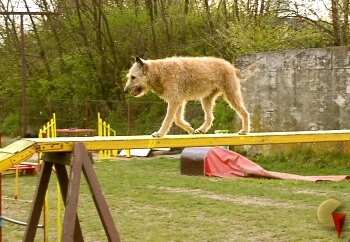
(151,201)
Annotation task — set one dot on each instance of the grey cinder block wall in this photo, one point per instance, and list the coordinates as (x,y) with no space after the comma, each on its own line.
(298,90)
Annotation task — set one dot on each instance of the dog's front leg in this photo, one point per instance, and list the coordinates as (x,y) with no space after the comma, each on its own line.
(168,120)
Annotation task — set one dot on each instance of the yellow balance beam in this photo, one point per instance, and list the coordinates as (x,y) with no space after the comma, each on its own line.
(23,149)
(65,144)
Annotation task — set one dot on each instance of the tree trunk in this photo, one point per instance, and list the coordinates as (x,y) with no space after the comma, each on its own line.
(337,26)
(187,5)
(54,23)
(110,64)
(97,14)
(262,7)
(235,10)
(149,6)
(82,33)
(165,20)
(224,9)
(136,7)
(41,48)
(11,33)
(209,19)
(345,27)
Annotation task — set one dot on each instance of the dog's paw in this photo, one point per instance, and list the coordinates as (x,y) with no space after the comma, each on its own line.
(190,130)
(157,135)
(243,132)
(198,131)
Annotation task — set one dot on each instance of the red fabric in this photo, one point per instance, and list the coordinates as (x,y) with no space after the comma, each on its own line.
(224,163)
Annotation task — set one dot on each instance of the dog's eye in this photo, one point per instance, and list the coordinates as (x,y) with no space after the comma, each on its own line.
(133,77)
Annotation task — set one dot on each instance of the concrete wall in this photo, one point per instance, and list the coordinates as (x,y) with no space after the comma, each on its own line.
(298,90)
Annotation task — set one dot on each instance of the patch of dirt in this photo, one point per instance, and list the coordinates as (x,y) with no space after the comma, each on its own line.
(241,200)
(322,193)
(312,192)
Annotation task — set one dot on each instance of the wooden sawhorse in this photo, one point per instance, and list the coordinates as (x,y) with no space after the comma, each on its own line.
(70,193)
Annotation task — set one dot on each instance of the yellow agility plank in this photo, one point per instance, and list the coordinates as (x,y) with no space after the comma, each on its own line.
(22,150)
(16,153)
(65,144)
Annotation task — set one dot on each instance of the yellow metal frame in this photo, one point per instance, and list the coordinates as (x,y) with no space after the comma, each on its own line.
(104,129)
(50,131)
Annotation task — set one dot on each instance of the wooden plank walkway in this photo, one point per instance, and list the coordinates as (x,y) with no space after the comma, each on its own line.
(23,149)
(16,153)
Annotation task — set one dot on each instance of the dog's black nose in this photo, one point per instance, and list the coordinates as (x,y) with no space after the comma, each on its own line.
(125,90)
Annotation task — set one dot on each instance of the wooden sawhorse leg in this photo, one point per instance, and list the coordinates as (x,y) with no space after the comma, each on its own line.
(63,181)
(70,194)
(38,201)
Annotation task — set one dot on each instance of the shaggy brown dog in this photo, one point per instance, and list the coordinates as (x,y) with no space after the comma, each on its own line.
(180,79)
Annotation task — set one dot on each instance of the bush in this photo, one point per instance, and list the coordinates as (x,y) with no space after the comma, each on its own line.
(224,117)
(9,126)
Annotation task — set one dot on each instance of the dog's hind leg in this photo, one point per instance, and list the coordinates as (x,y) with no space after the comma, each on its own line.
(208,104)
(180,121)
(235,100)
(168,120)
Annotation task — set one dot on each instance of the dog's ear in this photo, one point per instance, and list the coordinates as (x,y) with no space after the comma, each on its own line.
(141,63)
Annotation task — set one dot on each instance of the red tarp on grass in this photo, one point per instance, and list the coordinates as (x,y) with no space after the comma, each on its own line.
(228,164)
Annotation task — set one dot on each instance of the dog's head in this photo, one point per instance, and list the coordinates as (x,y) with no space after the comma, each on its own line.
(137,79)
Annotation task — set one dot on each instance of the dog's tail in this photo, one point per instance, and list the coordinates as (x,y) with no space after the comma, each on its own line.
(249,71)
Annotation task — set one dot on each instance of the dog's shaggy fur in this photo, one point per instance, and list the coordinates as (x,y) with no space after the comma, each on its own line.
(180,79)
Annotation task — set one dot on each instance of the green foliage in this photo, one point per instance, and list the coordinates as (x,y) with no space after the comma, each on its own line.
(270,34)
(148,115)
(224,117)
(9,126)
(305,159)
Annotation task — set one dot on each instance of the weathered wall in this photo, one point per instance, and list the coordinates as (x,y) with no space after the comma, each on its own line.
(298,90)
